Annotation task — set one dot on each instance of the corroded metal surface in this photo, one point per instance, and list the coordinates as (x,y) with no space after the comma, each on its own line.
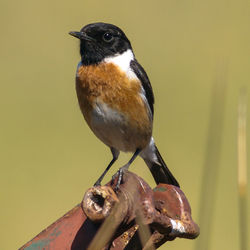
(112,218)
(65,233)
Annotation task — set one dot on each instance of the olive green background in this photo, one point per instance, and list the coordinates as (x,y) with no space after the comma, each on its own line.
(49,157)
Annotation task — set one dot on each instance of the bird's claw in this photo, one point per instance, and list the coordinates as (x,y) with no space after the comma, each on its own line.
(119,176)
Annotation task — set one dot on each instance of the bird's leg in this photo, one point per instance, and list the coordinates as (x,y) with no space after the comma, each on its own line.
(115,154)
(125,168)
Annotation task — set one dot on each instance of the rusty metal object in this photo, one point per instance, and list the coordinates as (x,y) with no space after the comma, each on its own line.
(112,218)
(71,230)
(165,210)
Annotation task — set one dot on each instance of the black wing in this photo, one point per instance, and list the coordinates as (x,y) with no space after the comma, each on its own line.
(142,75)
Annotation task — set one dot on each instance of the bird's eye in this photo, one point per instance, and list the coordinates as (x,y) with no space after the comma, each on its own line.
(107,37)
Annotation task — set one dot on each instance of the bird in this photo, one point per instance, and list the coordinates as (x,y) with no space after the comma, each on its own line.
(116,98)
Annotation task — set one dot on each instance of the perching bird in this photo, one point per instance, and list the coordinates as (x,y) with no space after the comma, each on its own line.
(116,98)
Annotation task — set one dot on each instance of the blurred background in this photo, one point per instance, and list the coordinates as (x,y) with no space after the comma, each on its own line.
(197,56)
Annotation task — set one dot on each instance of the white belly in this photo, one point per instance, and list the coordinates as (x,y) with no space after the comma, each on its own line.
(110,126)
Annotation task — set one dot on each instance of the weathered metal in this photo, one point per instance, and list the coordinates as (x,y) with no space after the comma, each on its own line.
(114,220)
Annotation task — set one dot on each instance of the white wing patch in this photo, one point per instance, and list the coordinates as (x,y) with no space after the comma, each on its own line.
(123,62)
(144,98)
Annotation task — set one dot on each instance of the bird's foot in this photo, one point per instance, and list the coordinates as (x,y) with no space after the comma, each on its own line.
(119,176)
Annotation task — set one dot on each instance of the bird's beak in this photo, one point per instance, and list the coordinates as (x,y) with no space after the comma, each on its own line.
(81,35)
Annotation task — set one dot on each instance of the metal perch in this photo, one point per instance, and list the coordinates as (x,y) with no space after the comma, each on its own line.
(135,217)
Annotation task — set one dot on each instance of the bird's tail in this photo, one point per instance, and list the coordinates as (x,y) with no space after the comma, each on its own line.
(159,169)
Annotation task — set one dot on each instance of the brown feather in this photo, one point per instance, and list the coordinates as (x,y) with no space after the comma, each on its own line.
(107,83)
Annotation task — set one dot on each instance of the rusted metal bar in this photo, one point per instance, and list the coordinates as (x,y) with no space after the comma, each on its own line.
(109,220)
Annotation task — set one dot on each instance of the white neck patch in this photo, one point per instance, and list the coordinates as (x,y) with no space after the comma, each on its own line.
(123,62)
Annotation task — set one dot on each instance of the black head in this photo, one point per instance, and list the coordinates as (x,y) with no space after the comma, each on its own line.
(99,41)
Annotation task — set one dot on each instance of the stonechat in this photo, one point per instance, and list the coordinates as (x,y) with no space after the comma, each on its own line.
(116,98)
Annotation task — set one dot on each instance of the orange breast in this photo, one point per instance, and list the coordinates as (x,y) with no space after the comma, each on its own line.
(105,82)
